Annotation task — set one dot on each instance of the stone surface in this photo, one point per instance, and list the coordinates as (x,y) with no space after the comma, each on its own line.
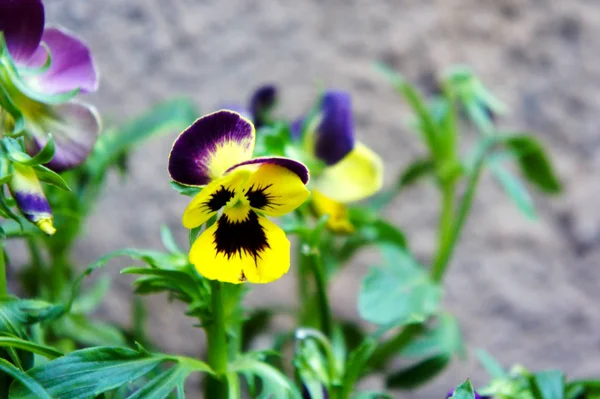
(525,291)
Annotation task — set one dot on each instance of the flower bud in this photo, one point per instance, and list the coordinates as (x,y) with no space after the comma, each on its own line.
(29,196)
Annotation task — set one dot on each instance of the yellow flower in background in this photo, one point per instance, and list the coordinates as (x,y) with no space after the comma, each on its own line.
(243,245)
(353,171)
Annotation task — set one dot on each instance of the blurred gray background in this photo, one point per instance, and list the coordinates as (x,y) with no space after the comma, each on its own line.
(526,291)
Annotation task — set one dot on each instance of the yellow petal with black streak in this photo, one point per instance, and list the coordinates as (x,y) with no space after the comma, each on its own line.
(275,190)
(212,198)
(252,250)
(338,221)
(357,176)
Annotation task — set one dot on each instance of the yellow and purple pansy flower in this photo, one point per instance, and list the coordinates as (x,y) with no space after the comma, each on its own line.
(351,171)
(39,91)
(215,153)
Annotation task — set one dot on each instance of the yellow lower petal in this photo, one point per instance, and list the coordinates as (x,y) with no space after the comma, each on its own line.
(254,250)
(357,176)
(338,213)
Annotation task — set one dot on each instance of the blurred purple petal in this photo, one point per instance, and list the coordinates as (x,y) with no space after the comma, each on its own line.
(244,112)
(72,65)
(210,146)
(22,23)
(261,103)
(335,134)
(75,128)
(296,128)
(294,166)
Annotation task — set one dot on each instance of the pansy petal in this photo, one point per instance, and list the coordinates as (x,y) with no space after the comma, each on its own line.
(261,103)
(296,167)
(72,65)
(275,190)
(211,199)
(253,249)
(211,146)
(75,128)
(357,176)
(334,136)
(338,221)
(22,23)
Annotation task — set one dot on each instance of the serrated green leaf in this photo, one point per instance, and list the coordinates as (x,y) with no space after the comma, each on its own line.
(534,163)
(418,374)
(89,372)
(400,293)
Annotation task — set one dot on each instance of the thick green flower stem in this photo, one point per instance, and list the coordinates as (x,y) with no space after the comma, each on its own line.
(3,280)
(216,387)
(446,233)
(326,318)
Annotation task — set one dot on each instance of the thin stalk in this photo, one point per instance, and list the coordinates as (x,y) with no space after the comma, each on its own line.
(3,280)
(326,318)
(216,387)
(445,234)
(390,348)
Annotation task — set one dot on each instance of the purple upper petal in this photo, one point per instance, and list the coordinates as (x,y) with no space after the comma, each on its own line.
(210,146)
(22,23)
(261,103)
(72,65)
(334,137)
(294,166)
(75,128)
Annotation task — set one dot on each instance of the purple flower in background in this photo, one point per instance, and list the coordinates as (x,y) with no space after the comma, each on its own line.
(477,396)
(260,106)
(351,171)
(39,91)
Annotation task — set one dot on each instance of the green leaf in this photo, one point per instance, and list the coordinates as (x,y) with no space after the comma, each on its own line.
(534,162)
(18,343)
(16,314)
(464,391)
(371,395)
(370,230)
(356,363)
(168,240)
(443,337)
(418,105)
(188,191)
(275,385)
(514,189)
(88,331)
(550,384)
(7,104)
(28,384)
(48,176)
(16,154)
(89,372)
(400,293)
(163,384)
(89,301)
(418,374)
(491,365)
(166,117)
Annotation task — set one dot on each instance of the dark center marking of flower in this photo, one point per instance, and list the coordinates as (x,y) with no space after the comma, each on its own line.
(218,199)
(242,238)
(259,198)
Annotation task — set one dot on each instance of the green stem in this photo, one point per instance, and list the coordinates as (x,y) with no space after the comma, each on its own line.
(216,387)
(449,243)
(3,281)
(326,318)
(446,229)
